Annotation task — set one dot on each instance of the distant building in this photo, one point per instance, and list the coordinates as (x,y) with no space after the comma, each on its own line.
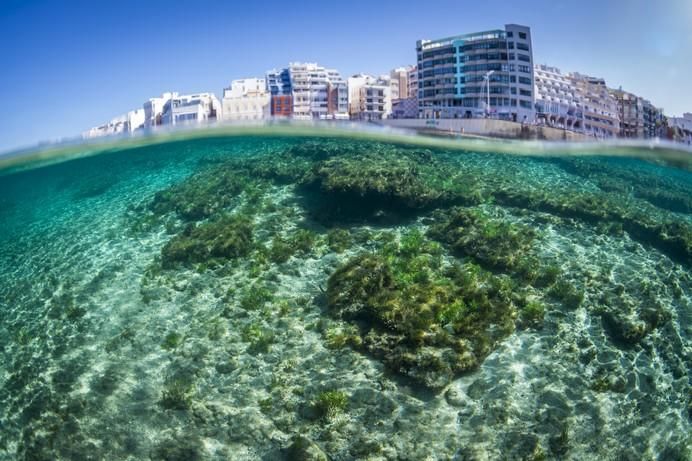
(638,117)
(192,108)
(681,128)
(413,82)
(124,124)
(599,107)
(478,74)
(399,82)
(281,92)
(246,99)
(558,104)
(318,92)
(369,97)
(153,109)
(405,108)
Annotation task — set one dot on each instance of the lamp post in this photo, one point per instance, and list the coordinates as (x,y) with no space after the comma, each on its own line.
(487,87)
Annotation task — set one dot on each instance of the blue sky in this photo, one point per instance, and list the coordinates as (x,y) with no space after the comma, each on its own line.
(69,65)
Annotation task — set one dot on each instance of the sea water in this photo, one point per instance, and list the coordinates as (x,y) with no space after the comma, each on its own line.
(331,295)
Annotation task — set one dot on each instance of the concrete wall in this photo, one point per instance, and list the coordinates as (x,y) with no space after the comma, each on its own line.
(487,127)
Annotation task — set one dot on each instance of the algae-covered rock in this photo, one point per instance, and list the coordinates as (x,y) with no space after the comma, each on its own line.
(304,449)
(228,237)
(424,321)
(390,179)
(492,242)
(201,195)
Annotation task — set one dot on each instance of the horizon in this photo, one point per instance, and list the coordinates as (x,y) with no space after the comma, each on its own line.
(88,64)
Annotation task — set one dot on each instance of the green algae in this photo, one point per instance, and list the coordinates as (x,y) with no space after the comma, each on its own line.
(329,404)
(225,238)
(202,195)
(494,243)
(426,321)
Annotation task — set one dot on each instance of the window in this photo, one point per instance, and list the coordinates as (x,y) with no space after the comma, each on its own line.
(524,92)
(524,69)
(525,104)
(522,46)
(522,35)
(525,80)
(524,57)
(510,34)
(510,45)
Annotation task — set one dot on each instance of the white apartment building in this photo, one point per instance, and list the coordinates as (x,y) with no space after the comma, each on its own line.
(246,99)
(318,93)
(575,102)
(153,109)
(369,97)
(557,100)
(123,124)
(682,128)
(191,108)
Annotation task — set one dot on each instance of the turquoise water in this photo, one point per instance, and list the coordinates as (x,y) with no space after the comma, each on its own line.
(331,296)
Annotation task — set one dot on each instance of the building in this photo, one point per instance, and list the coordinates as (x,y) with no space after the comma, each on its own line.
(638,117)
(475,75)
(405,108)
(413,83)
(557,100)
(318,93)
(191,108)
(369,98)
(681,128)
(246,99)
(281,92)
(153,109)
(124,124)
(599,107)
(399,82)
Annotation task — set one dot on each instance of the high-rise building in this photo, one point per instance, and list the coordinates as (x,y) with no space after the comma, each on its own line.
(246,99)
(475,75)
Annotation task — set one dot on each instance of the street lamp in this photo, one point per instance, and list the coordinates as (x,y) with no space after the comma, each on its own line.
(487,86)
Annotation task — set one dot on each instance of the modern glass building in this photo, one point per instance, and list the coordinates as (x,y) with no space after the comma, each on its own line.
(477,75)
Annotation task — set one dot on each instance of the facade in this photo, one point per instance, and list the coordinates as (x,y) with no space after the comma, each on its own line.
(192,108)
(476,75)
(318,93)
(399,82)
(246,99)
(281,92)
(125,124)
(413,82)
(681,128)
(557,100)
(638,117)
(153,109)
(405,108)
(369,97)
(599,107)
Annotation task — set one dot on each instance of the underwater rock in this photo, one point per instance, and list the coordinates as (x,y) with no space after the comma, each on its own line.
(492,242)
(201,195)
(225,238)
(422,321)
(390,180)
(304,449)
